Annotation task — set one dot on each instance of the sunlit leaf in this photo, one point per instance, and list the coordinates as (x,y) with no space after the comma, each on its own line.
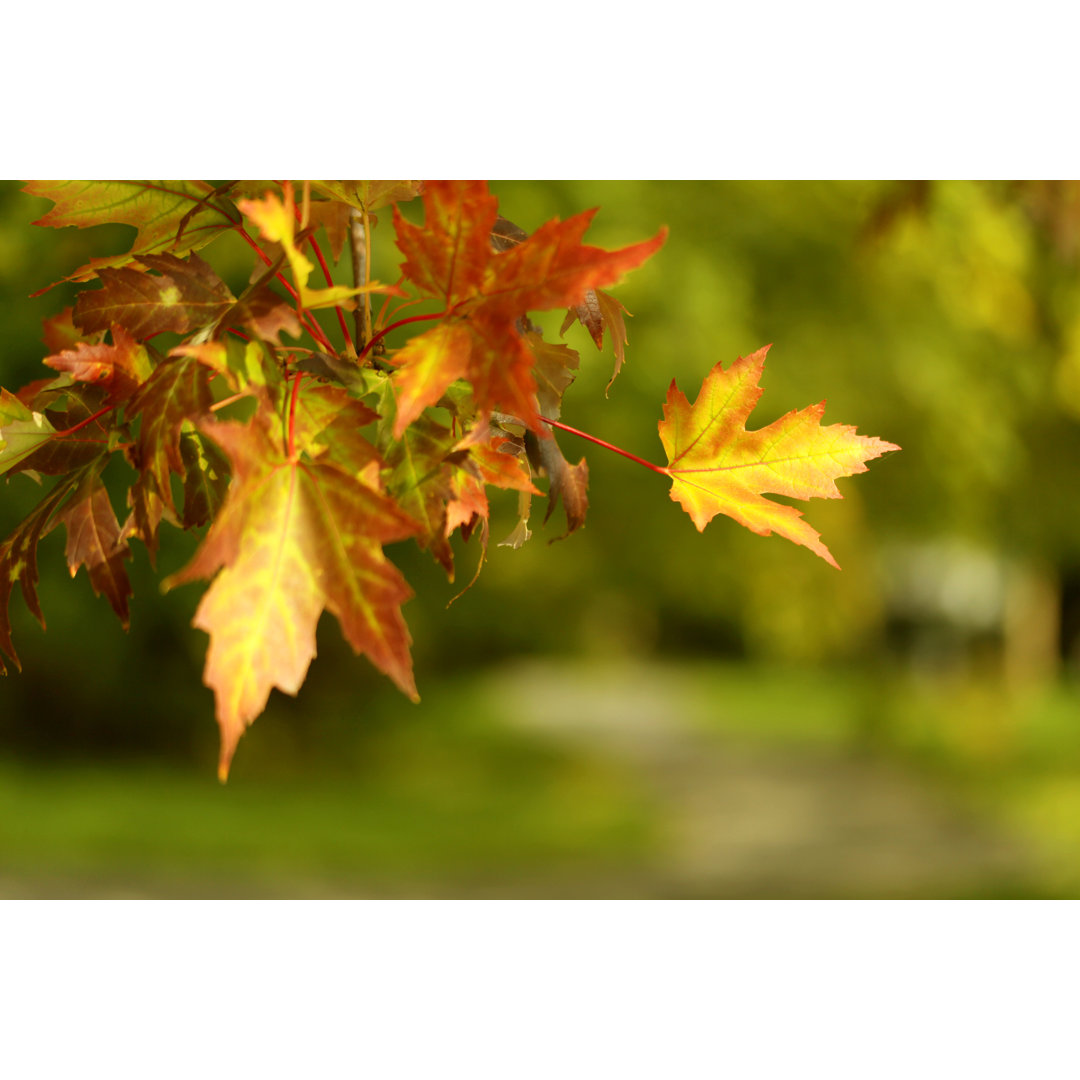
(294,538)
(170,215)
(486,292)
(718,467)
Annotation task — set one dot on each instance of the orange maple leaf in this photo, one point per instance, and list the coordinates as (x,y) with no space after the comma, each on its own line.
(485,291)
(293,538)
(718,467)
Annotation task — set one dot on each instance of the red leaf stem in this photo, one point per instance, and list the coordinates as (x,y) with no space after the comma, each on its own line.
(329,281)
(393,326)
(83,423)
(312,327)
(607,446)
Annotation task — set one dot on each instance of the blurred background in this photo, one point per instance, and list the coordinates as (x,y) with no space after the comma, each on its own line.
(639,710)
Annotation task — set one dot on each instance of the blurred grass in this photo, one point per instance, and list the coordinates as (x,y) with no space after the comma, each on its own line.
(463,799)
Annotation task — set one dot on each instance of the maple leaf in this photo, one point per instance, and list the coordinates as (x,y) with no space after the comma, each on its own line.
(94,541)
(183,295)
(718,467)
(601,311)
(18,561)
(277,222)
(265,314)
(468,504)
(370,194)
(328,421)
(206,479)
(177,392)
(505,234)
(293,538)
(495,462)
(358,381)
(51,447)
(565,481)
(59,332)
(554,368)
(119,368)
(492,462)
(485,292)
(419,477)
(170,215)
(243,365)
(335,218)
(23,431)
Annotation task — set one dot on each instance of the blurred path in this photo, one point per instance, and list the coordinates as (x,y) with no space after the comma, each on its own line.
(755,787)
(753,819)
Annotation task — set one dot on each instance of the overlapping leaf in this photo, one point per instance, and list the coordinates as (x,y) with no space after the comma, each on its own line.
(118,368)
(94,541)
(566,482)
(487,464)
(485,292)
(265,314)
(177,391)
(206,479)
(328,421)
(59,331)
(370,194)
(491,463)
(184,295)
(18,561)
(277,222)
(294,538)
(718,467)
(419,476)
(72,433)
(23,431)
(600,311)
(170,215)
(243,365)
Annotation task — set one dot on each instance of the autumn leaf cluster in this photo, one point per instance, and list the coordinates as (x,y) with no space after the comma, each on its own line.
(297,454)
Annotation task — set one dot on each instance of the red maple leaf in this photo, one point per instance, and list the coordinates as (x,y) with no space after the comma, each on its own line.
(94,541)
(486,292)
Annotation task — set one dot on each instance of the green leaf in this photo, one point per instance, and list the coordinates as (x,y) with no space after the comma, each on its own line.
(419,477)
(206,479)
(370,194)
(22,431)
(180,216)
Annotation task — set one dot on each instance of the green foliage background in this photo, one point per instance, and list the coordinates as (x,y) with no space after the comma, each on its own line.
(943,318)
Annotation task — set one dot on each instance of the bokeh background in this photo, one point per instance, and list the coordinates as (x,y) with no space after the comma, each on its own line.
(639,710)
